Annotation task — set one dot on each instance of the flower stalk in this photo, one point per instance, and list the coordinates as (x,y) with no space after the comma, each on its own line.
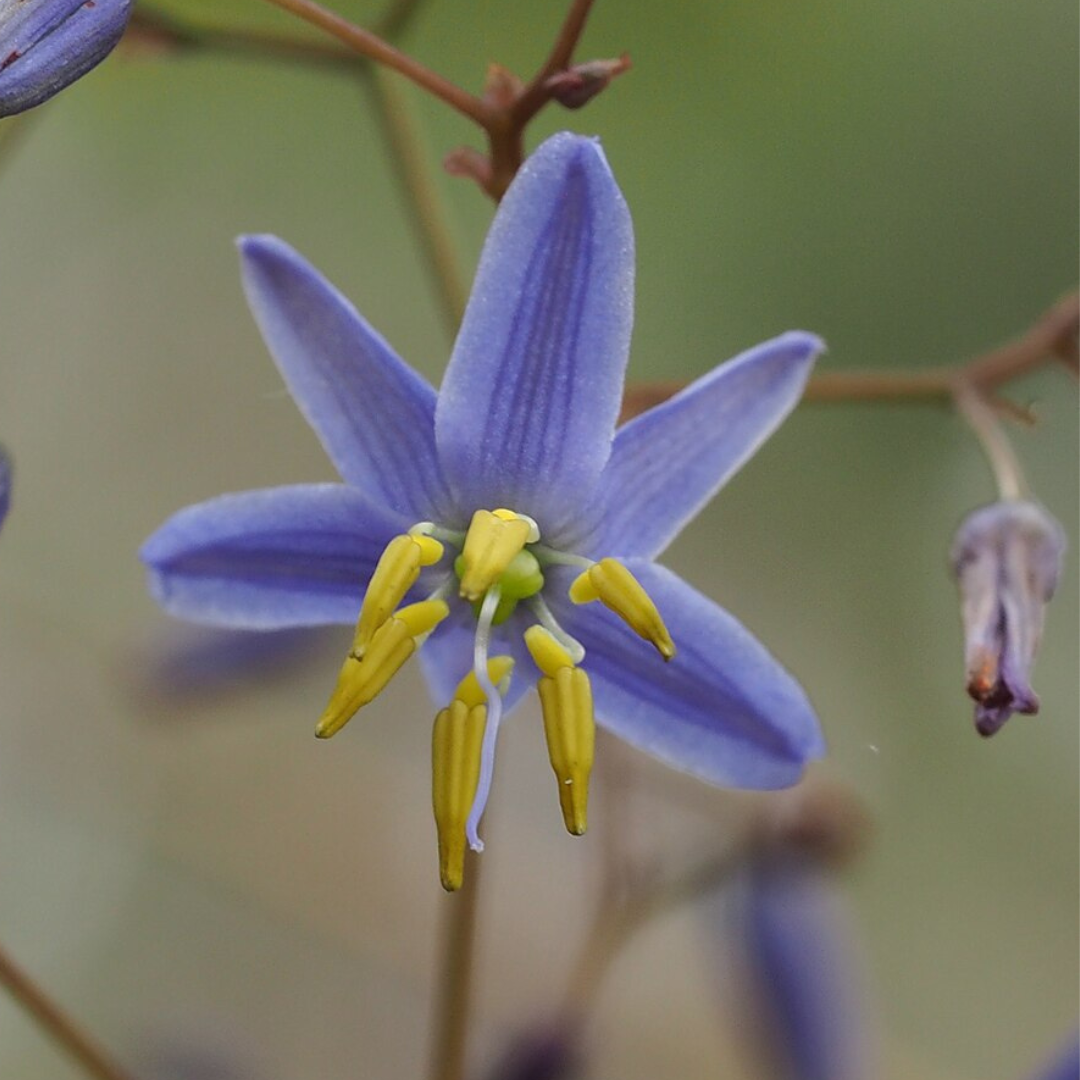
(56,1023)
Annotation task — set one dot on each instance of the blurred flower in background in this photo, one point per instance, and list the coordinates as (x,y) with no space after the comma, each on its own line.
(1065,1065)
(812,1019)
(5,484)
(46,45)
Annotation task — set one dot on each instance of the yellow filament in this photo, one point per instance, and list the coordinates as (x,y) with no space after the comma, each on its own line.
(570,728)
(491,543)
(548,655)
(396,573)
(456,741)
(360,681)
(611,583)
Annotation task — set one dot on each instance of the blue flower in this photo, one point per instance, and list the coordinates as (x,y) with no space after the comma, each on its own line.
(46,45)
(805,976)
(502,506)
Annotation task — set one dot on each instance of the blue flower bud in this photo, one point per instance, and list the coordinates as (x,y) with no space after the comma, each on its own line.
(47,44)
(1006,558)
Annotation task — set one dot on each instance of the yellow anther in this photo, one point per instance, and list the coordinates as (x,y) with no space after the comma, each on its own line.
(611,583)
(490,546)
(421,618)
(456,741)
(469,690)
(567,705)
(360,681)
(548,655)
(396,573)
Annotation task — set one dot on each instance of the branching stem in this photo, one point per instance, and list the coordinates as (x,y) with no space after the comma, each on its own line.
(49,1016)
(1052,338)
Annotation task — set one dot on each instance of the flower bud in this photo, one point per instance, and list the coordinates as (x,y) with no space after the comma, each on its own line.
(47,44)
(1006,558)
(579,84)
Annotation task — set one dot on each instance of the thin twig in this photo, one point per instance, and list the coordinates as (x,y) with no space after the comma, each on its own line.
(614,925)
(454,992)
(1004,464)
(371,45)
(535,95)
(1052,336)
(56,1023)
(422,196)
(155,26)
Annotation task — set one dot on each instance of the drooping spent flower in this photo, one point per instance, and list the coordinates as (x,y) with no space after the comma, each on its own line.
(46,45)
(1006,558)
(481,525)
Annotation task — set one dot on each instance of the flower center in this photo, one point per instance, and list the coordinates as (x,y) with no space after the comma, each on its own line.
(499,565)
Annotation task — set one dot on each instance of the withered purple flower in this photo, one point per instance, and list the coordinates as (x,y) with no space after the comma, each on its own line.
(1006,558)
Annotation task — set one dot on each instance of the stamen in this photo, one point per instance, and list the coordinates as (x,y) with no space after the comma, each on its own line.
(494,700)
(538,606)
(613,585)
(569,724)
(360,681)
(396,573)
(456,741)
(549,556)
(491,543)
(513,515)
(429,528)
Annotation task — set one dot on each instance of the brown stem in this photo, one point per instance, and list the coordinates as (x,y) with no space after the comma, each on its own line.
(452,1000)
(535,95)
(155,26)
(426,211)
(1052,336)
(371,45)
(614,925)
(56,1023)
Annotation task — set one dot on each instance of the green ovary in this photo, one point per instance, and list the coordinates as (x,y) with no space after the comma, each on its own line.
(520,580)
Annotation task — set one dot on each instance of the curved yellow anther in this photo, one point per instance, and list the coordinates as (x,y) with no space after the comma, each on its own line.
(613,585)
(469,689)
(456,742)
(569,724)
(547,653)
(395,574)
(491,543)
(361,680)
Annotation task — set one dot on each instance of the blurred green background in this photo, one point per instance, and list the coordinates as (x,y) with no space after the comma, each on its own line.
(901,179)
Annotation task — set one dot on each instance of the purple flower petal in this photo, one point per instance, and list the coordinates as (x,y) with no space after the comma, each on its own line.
(260,560)
(5,484)
(793,935)
(669,462)
(1066,1063)
(46,45)
(371,411)
(723,709)
(527,410)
